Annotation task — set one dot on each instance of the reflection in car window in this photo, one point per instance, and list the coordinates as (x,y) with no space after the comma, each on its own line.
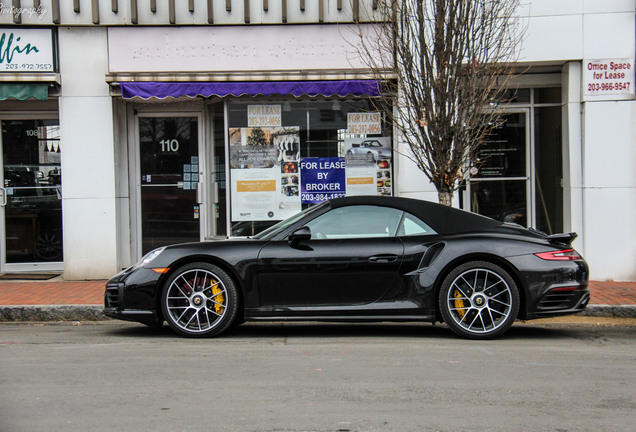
(413,226)
(356,222)
(281,226)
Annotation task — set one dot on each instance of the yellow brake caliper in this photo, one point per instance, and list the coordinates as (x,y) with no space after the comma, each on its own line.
(218,297)
(459,304)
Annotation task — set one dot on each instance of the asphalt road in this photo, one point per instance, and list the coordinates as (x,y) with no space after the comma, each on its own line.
(107,376)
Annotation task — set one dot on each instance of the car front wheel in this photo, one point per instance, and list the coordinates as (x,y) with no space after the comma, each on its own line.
(199,300)
(479,300)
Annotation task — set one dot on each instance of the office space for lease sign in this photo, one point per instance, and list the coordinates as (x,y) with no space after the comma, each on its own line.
(608,79)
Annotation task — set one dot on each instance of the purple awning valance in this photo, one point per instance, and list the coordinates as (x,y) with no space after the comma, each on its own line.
(161,90)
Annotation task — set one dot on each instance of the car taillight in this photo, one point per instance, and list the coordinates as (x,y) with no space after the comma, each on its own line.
(562,289)
(560,255)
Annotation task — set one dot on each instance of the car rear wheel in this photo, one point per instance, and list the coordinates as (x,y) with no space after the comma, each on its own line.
(479,300)
(199,300)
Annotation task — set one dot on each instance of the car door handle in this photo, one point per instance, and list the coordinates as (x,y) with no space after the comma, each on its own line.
(387,258)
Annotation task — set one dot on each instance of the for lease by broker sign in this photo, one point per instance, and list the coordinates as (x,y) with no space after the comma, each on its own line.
(608,79)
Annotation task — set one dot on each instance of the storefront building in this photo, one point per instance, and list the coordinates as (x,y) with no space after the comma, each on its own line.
(155,122)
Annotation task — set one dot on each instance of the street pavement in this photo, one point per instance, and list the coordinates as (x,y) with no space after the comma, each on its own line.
(106,376)
(59,300)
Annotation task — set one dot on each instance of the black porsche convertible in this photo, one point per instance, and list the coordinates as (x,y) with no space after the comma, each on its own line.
(359,259)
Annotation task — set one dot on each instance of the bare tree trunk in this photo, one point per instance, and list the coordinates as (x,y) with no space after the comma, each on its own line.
(445,197)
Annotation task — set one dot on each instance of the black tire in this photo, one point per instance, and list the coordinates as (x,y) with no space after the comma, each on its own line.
(479,300)
(199,300)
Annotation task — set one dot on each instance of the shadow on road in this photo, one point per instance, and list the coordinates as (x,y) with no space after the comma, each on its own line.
(287,330)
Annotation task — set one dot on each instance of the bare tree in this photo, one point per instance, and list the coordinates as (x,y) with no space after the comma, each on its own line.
(451,60)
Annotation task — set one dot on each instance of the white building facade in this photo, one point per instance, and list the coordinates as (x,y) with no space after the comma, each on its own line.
(128,124)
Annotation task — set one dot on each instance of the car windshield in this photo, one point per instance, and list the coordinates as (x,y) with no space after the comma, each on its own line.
(281,226)
(372,144)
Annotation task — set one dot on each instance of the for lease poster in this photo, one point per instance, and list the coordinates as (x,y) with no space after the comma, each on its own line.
(323,178)
(264,173)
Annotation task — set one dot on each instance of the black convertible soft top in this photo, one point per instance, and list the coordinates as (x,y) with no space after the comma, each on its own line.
(443,219)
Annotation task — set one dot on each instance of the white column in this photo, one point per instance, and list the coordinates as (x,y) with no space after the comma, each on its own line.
(88,163)
(572,153)
(609,194)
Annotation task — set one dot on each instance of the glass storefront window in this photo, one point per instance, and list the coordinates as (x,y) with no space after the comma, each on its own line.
(513,184)
(504,153)
(548,151)
(287,155)
(503,200)
(169,163)
(31,154)
(498,186)
(547,95)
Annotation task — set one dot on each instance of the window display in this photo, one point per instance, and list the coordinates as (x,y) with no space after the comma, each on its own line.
(287,155)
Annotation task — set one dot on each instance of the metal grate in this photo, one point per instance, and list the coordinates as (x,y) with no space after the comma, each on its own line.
(111,296)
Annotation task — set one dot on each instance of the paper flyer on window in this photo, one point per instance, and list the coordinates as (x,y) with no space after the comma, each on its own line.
(264,170)
(368,166)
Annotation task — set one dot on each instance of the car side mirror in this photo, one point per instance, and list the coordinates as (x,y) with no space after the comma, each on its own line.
(300,235)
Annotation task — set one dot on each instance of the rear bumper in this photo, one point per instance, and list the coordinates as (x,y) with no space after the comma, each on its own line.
(558,303)
(552,288)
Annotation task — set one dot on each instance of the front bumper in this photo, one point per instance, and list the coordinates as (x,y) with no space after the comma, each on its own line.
(150,318)
(132,296)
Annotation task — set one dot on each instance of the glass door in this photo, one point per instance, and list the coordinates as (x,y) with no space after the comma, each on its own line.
(31,195)
(170,180)
(499,186)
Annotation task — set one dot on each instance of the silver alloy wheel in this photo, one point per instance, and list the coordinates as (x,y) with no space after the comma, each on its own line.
(480,301)
(196,301)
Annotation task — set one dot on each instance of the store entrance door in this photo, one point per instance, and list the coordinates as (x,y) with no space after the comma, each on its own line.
(31,195)
(170,180)
(500,185)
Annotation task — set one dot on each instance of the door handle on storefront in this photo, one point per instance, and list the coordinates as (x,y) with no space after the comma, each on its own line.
(199,197)
(215,192)
(3,198)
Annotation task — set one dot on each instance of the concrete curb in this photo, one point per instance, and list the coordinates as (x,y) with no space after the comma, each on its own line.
(52,313)
(40,313)
(610,311)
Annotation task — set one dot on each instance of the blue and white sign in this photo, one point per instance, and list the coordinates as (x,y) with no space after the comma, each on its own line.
(322,179)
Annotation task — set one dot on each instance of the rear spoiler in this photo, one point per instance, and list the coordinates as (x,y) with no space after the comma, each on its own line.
(566,238)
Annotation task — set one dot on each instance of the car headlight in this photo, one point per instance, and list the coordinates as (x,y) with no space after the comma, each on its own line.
(149,257)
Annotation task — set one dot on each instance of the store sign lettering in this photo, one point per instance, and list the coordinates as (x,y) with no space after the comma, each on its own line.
(364,123)
(8,48)
(609,79)
(26,50)
(263,115)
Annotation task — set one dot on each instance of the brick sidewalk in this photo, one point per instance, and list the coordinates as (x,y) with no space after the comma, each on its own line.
(91,293)
(51,293)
